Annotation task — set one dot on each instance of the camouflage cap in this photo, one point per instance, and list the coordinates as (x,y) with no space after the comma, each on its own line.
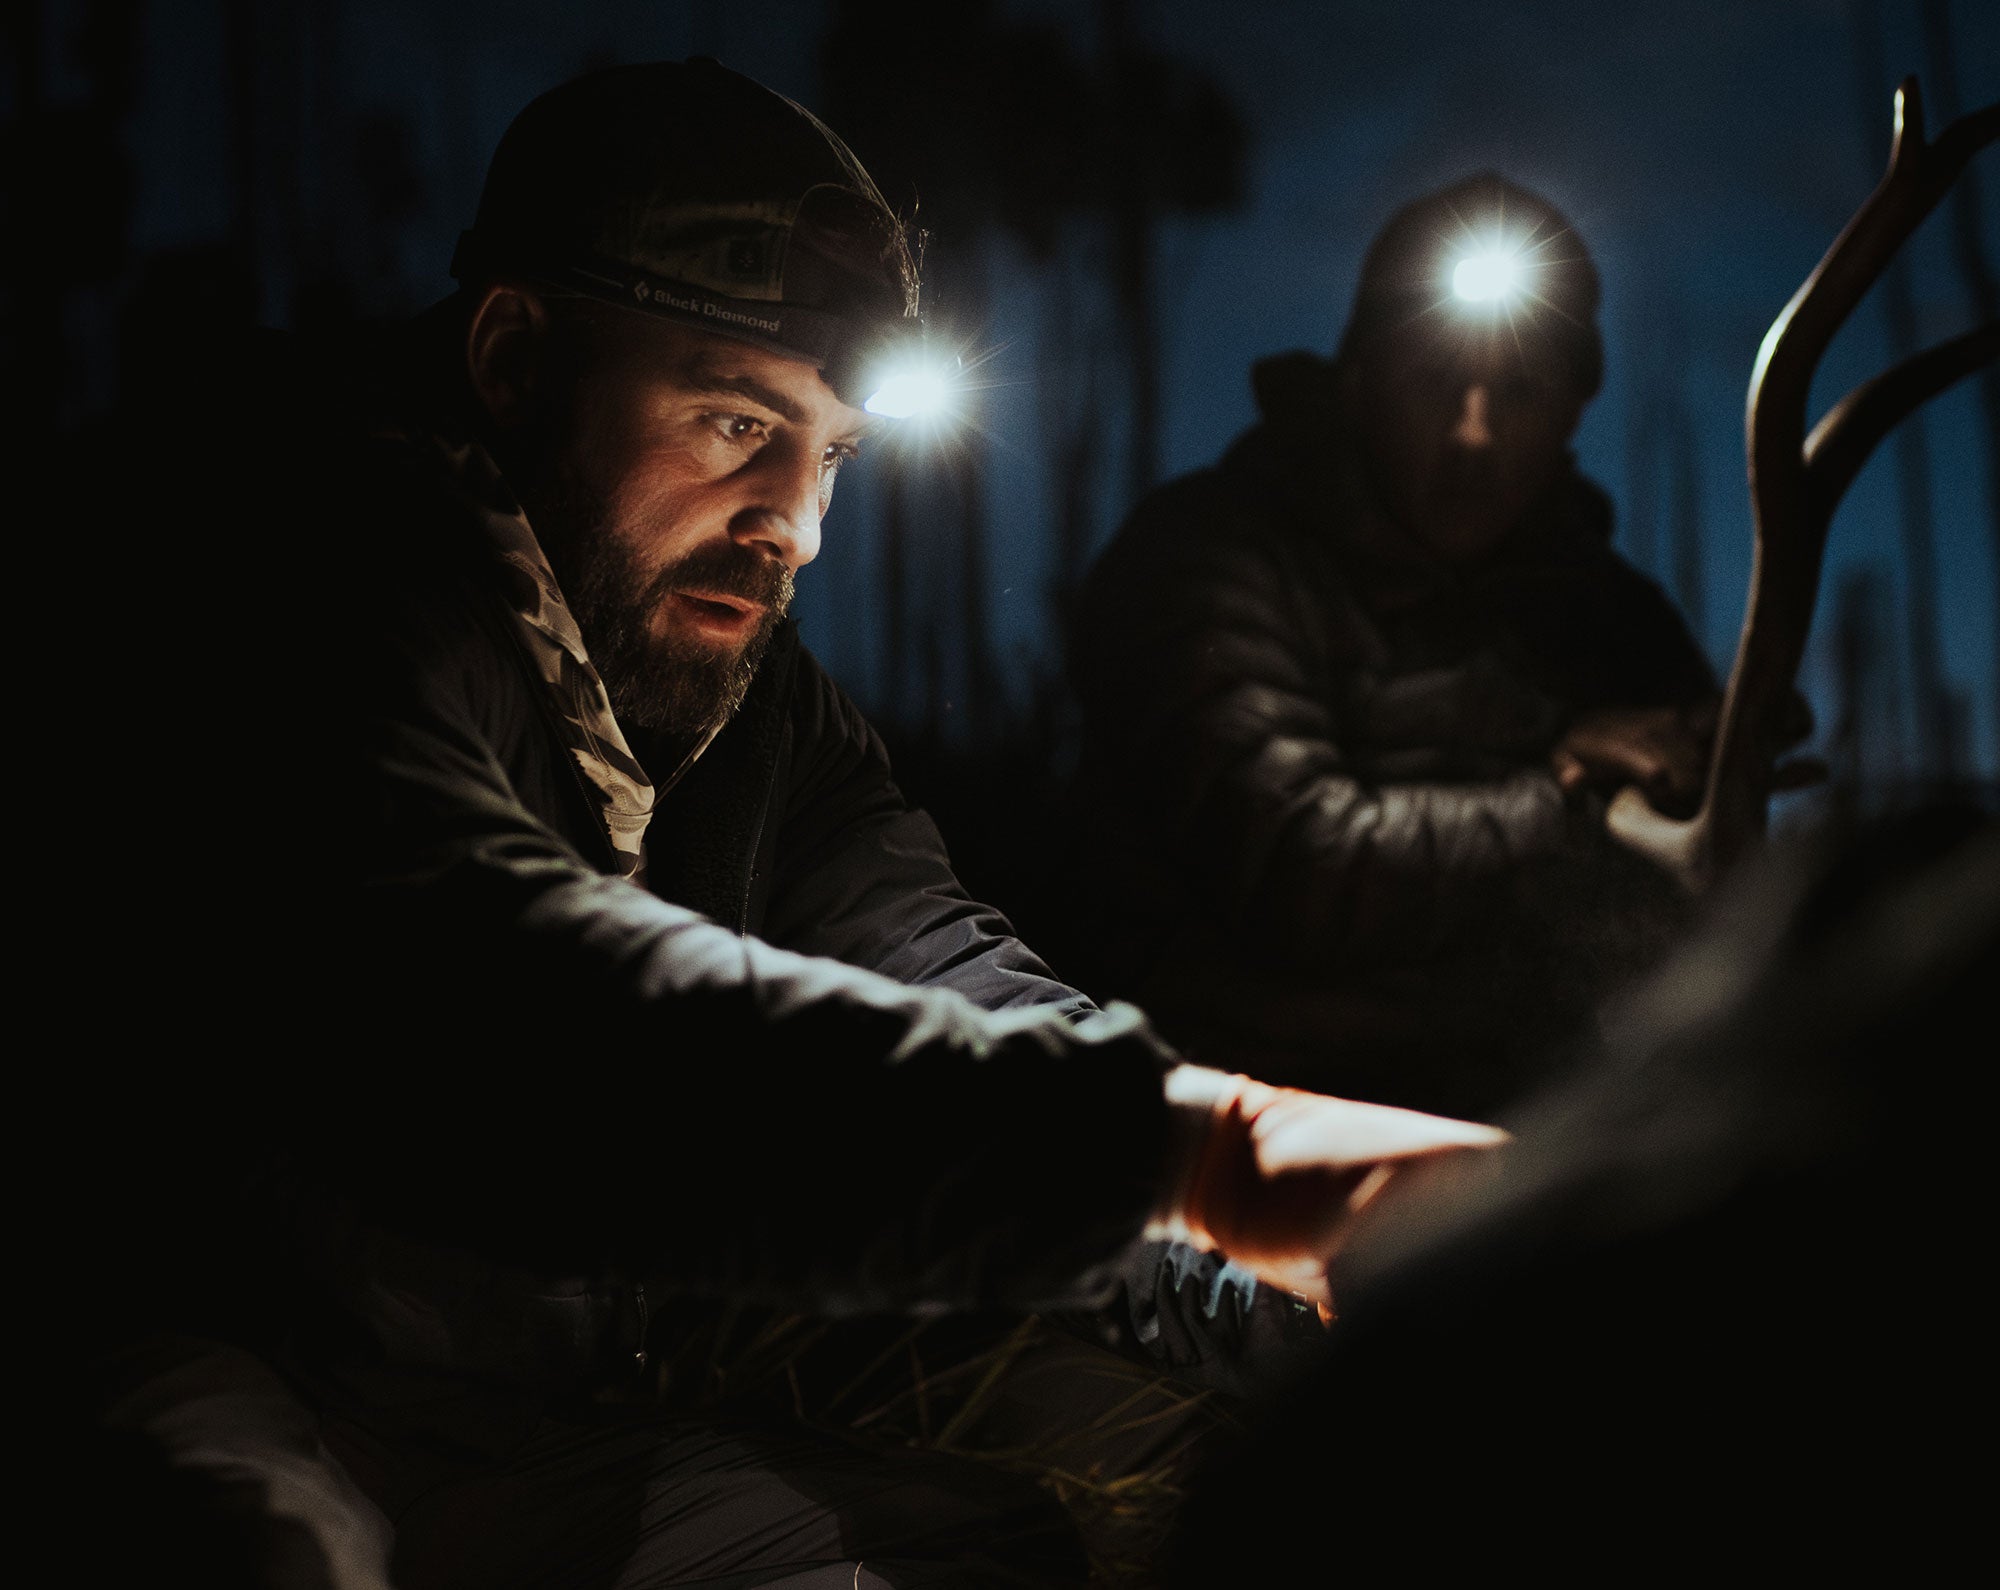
(688,191)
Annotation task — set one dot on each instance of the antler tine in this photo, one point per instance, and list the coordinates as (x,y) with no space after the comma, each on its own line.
(1792,502)
(1790,536)
(1842,442)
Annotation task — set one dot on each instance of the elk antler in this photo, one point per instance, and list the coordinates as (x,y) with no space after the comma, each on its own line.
(1795,484)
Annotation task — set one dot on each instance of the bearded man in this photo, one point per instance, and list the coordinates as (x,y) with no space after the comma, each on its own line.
(558,946)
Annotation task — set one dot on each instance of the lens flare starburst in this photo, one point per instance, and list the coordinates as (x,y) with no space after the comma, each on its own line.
(915,391)
(1491,274)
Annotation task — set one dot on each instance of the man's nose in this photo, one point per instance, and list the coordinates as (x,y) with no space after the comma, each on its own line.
(783,520)
(1474,426)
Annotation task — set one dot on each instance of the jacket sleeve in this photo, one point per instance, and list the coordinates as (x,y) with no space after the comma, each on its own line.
(524,1055)
(1213,732)
(864,878)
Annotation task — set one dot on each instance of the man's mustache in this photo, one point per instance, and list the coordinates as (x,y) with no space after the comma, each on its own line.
(726,568)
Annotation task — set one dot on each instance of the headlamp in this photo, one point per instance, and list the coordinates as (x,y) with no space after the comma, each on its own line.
(883,363)
(909,395)
(891,368)
(1493,274)
(911,380)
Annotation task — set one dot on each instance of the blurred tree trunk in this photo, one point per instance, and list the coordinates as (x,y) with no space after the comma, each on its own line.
(69,187)
(1662,448)
(1936,717)
(1003,127)
(1068,404)
(1132,217)
(1690,552)
(1866,743)
(1641,512)
(974,642)
(1969,240)
(34,346)
(240,74)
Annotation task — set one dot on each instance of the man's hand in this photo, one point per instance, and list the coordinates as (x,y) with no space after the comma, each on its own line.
(1283,1176)
(1662,750)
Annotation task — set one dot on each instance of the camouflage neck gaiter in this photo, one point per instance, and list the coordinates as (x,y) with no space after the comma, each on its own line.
(549,635)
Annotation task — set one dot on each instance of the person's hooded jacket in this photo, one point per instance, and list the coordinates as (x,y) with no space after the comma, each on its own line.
(1316,763)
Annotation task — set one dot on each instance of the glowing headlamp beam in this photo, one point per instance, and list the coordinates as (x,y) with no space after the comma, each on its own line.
(912,392)
(1488,276)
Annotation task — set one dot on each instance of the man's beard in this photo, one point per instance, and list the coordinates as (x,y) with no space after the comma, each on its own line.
(675,683)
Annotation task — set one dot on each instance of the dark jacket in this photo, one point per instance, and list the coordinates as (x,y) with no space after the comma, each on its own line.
(1316,760)
(804,1069)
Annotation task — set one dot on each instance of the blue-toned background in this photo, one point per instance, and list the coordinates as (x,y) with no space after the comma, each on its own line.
(316,158)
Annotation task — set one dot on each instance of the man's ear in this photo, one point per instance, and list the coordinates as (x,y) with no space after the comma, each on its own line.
(506,350)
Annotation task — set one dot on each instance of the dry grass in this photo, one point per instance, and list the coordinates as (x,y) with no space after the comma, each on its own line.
(948,1385)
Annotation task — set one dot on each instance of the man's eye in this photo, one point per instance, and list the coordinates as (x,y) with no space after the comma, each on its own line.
(738,427)
(829,471)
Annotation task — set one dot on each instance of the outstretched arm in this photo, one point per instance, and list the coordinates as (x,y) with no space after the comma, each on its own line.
(864,878)
(559,1051)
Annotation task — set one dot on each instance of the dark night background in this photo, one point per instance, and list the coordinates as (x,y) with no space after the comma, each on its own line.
(1127,201)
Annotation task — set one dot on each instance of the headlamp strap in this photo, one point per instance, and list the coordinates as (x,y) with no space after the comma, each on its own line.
(798,330)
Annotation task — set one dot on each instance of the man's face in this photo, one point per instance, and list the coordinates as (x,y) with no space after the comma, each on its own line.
(1464,434)
(676,481)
